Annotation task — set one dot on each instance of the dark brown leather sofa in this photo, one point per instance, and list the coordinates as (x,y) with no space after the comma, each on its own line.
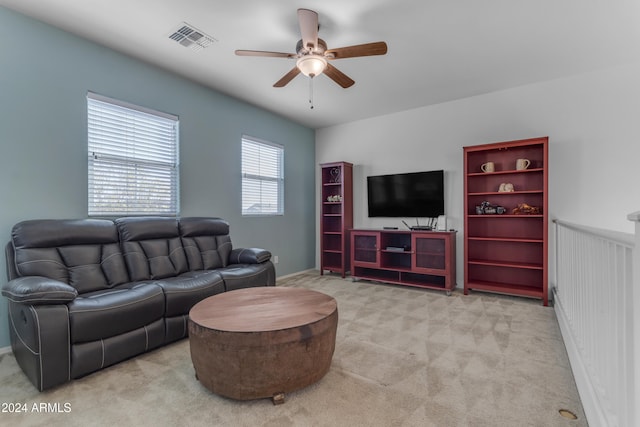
(85,294)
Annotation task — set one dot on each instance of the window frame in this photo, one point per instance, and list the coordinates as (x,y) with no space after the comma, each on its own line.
(261,178)
(136,171)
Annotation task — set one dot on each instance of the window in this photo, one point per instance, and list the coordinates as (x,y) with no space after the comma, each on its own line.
(262,177)
(133,159)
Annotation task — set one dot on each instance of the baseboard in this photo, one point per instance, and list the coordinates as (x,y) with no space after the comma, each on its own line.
(5,350)
(591,404)
(295,274)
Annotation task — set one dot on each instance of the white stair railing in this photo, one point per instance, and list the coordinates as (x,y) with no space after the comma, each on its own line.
(598,308)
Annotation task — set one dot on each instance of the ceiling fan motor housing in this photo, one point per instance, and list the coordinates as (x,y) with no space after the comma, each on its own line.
(320,49)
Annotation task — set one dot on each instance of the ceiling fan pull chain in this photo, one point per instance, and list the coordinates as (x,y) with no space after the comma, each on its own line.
(311,92)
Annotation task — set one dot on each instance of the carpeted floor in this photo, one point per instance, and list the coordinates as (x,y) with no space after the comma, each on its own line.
(404,357)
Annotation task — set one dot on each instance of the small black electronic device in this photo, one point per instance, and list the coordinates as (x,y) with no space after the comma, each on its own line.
(390,228)
(421,228)
(405,248)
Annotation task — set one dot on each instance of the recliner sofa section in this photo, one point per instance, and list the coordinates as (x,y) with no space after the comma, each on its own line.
(86,294)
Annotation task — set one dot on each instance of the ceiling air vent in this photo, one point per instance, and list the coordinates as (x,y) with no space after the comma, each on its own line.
(189,36)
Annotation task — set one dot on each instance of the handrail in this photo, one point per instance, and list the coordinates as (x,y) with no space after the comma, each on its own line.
(597,304)
(620,237)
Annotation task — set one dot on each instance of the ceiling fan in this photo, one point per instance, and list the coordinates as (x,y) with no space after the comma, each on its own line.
(312,56)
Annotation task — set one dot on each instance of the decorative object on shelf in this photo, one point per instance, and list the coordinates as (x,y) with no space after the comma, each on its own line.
(334,198)
(525,209)
(506,187)
(488,167)
(522,164)
(486,208)
(335,175)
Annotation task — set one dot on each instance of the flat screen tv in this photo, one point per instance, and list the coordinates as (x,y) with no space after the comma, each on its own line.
(416,194)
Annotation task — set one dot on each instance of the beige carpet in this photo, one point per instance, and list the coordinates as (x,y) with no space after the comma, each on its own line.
(404,357)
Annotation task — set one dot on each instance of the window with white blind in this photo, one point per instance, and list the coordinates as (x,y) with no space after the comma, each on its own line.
(133,159)
(262,177)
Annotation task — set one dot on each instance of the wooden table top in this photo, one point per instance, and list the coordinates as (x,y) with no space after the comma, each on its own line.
(260,309)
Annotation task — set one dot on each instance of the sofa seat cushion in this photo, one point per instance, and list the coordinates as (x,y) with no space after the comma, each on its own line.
(103,314)
(238,276)
(183,292)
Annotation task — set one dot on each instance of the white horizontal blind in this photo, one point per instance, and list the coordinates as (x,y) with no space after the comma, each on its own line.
(262,177)
(133,159)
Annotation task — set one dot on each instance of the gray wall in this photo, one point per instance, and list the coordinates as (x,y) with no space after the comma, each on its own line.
(45,74)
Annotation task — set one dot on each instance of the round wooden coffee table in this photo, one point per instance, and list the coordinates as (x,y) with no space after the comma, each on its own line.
(262,342)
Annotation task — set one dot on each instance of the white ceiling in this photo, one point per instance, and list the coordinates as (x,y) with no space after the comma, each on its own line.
(439,50)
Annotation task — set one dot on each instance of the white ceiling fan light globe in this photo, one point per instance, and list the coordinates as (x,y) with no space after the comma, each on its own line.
(311,65)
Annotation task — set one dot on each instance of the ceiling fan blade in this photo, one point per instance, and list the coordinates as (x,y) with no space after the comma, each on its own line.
(308,20)
(367,49)
(338,76)
(287,77)
(265,53)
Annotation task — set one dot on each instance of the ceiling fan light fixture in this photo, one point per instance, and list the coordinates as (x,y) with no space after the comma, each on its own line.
(311,65)
(312,53)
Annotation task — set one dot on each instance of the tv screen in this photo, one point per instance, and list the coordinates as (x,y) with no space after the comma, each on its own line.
(417,194)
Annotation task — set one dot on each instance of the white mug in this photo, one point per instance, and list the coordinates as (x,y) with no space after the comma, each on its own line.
(522,164)
(488,167)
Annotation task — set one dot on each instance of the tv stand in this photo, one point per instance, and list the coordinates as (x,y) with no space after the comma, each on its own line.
(419,258)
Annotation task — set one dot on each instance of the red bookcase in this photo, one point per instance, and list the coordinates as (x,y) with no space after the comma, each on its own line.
(336,216)
(507,252)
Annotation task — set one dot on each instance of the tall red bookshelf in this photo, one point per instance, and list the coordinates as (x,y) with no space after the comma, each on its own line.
(336,216)
(507,252)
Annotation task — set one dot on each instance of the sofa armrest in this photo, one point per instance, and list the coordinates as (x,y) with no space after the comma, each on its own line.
(41,343)
(249,256)
(37,290)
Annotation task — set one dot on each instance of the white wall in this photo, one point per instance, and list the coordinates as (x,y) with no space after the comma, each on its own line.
(594,135)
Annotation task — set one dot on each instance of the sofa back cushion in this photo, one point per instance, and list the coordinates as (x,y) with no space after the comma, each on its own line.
(84,253)
(152,247)
(206,242)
